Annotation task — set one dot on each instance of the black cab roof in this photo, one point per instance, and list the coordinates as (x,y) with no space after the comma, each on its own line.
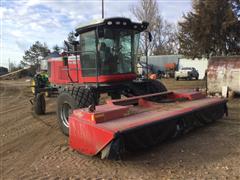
(115,22)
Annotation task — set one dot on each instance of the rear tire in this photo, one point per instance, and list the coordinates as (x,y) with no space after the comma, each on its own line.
(70,99)
(40,104)
(148,87)
(156,86)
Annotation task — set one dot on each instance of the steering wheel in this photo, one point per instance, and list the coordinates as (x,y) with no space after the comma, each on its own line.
(117,49)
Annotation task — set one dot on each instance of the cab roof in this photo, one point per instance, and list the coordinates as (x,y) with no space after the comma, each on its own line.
(115,22)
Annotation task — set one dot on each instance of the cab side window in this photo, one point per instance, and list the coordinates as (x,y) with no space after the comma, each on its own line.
(88,53)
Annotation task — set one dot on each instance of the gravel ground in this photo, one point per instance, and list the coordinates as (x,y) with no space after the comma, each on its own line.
(32,147)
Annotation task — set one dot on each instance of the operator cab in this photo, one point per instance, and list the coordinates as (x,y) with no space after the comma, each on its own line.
(108,48)
(106,52)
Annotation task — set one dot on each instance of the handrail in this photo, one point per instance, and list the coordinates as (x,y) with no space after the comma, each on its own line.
(76,53)
(135,98)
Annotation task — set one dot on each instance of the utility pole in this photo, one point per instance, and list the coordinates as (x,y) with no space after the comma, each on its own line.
(102,9)
(146,53)
(9,65)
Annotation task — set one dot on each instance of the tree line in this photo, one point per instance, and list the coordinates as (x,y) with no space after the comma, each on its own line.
(212,28)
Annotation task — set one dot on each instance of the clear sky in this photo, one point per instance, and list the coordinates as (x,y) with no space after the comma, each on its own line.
(50,21)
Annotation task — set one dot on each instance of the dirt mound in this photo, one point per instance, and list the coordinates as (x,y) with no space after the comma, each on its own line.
(18,74)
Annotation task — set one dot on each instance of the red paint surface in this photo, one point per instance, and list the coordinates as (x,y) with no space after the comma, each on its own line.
(59,74)
(187,95)
(158,112)
(90,137)
(102,113)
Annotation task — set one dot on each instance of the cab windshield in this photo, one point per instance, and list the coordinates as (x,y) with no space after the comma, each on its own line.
(113,52)
(117,51)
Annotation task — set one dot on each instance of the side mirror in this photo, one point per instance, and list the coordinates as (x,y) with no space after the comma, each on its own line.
(150,37)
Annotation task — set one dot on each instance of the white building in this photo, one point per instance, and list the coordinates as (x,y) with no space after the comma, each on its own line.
(200,65)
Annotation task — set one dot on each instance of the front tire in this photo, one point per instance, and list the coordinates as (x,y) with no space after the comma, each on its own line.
(33,84)
(70,99)
(39,104)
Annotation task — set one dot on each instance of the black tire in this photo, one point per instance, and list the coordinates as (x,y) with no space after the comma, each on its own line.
(38,84)
(156,86)
(148,87)
(39,104)
(70,99)
(32,84)
(177,78)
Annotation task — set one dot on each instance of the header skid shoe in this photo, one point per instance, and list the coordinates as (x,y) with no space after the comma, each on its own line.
(138,122)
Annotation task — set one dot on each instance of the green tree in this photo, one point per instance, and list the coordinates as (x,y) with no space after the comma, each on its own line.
(212,28)
(236,7)
(35,54)
(56,48)
(71,37)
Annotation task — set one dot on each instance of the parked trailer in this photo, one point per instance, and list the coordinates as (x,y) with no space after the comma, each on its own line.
(222,72)
(3,71)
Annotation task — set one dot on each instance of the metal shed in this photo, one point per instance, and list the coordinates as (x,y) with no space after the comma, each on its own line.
(223,71)
(3,71)
(158,61)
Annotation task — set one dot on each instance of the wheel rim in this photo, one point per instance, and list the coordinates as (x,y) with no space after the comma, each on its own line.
(33,86)
(65,111)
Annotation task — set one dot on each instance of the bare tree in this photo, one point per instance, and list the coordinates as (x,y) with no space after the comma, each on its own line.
(166,41)
(147,10)
(164,34)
